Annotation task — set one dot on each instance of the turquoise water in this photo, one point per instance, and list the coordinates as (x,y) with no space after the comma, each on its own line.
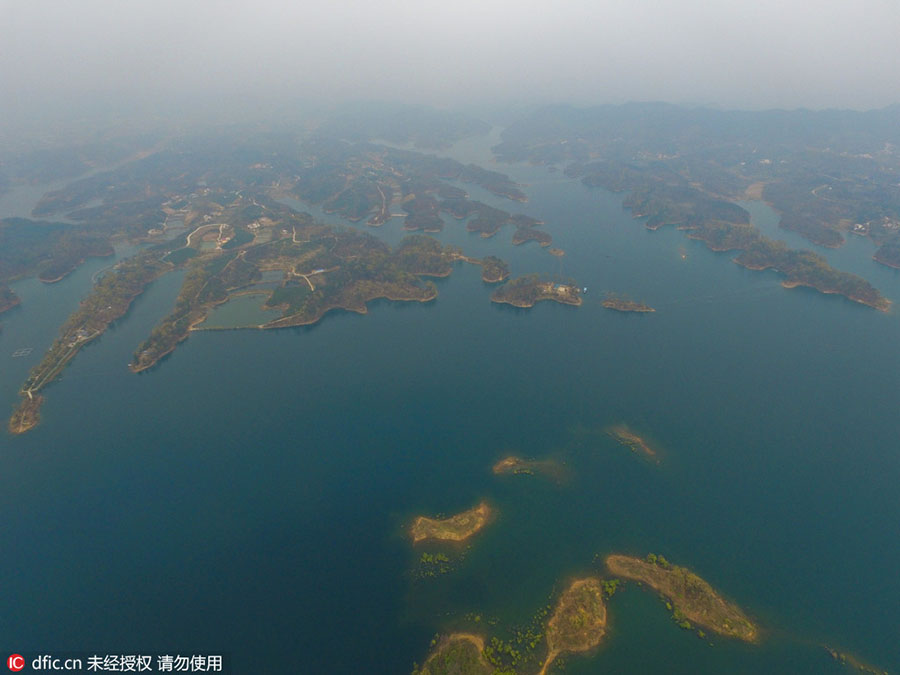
(243,311)
(252,493)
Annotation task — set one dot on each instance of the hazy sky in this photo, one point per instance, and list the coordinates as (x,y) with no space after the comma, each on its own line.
(733,53)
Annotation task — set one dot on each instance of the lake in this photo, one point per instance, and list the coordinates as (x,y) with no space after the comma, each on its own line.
(253,493)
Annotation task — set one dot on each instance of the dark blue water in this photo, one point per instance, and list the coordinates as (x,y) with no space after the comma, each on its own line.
(252,493)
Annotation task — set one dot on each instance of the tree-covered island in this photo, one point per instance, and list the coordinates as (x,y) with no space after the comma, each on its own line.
(623,304)
(529,290)
(494,270)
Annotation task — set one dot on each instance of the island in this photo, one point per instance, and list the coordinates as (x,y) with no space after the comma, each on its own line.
(578,623)
(517,466)
(457,654)
(494,270)
(625,436)
(558,252)
(529,290)
(455,528)
(621,304)
(693,599)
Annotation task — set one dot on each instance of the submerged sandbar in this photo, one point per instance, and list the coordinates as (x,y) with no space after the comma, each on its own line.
(455,528)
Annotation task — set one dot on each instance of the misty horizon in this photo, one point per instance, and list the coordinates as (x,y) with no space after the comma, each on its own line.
(233,59)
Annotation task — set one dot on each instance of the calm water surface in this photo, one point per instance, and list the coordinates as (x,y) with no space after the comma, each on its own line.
(252,493)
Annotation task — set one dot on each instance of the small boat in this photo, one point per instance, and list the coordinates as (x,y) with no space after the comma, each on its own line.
(584,290)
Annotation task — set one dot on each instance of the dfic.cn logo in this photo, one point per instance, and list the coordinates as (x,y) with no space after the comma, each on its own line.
(15,662)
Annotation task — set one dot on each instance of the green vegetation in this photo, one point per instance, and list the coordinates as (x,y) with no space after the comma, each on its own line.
(181,255)
(487,221)
(528,290)
(8,299)
(610,586)
(690,598)
(291,296)
(800,268)
(524,234)
(108,300)
(425,256)
(423,214)
(623,304)
(51,250)
(519,647)
(241,237)
(457,654)
(207,283)
(494,270)
(434,564)
(579,622)
(359,180)
(326,268)
(889,254)
(827,174)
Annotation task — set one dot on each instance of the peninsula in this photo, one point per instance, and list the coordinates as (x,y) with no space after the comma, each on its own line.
(47,249)
(455,528)
(325,268)
(693,599)
(529,290)
(457,654)
(524,234)
(578,623)
(108,301)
